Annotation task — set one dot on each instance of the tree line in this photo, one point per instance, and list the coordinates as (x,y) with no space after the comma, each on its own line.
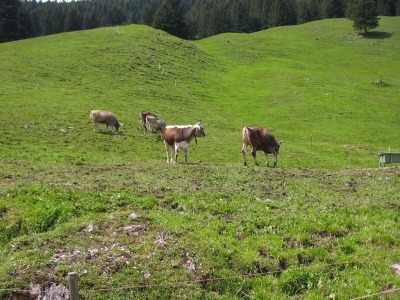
(187,19)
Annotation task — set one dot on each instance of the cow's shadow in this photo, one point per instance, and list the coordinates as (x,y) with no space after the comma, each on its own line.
(111,133)
(199,162)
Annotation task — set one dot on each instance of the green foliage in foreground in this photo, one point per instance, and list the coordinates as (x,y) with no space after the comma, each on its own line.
(324,224)
(204,231)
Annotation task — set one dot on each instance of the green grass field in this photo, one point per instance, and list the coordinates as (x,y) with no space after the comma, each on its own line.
(324,224)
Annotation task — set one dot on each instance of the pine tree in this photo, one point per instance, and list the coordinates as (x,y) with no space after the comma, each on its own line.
(25,23)
(9,29)
(147,15)
(364,15)
(387,7)
(303,12)
(37,31)
(241,19)
(333,9)
(90,20)
(72,19)
(57,19)
(192,25)
(170,17)
(219,21)
(282,13)
(265,14)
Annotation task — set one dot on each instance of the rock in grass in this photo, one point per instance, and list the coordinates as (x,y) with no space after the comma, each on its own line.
(396,268)
(133,216)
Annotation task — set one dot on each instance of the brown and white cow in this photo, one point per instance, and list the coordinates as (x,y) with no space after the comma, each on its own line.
(259,140)
(179,137)
(143,114)
(156,124)
(104,117)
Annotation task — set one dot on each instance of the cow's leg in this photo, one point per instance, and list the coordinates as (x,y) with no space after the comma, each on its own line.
(173,158)
(275,159)
(185,154)
(176,153)
(167,149)
(169,155)
(94,126)
(253,153)
(266,157)
(244,150)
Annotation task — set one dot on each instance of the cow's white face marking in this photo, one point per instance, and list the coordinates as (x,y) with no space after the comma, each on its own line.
(199,130)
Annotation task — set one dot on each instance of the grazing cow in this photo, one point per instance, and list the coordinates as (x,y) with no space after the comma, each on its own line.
(143,115)
(179,137)
(259,140)
(104,117)
(154,123)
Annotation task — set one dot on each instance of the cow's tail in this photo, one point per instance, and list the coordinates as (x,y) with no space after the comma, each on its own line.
(245,134)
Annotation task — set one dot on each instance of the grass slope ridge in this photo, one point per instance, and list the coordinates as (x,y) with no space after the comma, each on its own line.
(324,224)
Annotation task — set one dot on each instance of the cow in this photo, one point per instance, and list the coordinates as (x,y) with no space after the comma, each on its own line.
(259,140)
(154,123)
(179,137)
(143,114)
(104,117)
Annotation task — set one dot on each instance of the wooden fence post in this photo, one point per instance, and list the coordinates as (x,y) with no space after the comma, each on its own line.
(73,286)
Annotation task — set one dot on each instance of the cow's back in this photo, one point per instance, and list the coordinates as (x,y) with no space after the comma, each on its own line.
(177,134)
(258,137)
(105,117)
(94,114)
(154,123)
(171,135)
(252,135)
(143,114)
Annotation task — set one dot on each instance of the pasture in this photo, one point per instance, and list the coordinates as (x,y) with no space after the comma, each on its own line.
(322,225)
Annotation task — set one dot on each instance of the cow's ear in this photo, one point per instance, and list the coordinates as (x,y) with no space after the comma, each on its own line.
(280,142)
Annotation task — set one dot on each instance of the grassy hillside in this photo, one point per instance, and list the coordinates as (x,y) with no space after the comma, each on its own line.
(322,225)
(310,82)
(315,80)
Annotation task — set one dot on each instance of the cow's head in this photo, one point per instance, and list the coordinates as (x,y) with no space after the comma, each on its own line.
(278,145)
(118,125)
(199,130)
